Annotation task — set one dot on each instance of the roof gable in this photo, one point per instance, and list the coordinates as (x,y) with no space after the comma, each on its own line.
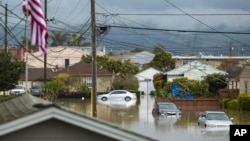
(208,69)
(148,73)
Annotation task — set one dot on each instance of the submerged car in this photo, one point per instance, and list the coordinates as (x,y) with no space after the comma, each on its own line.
(117,95)
(166,108)
(214,119)
(18,90)
(35,90)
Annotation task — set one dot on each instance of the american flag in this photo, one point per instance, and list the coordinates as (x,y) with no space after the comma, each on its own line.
(39,31)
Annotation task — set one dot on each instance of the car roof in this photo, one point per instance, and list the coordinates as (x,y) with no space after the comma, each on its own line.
(214,111)
(165,103)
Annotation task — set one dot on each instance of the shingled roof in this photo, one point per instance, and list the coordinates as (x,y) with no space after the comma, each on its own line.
(84,69)
(27,110)
(37,74)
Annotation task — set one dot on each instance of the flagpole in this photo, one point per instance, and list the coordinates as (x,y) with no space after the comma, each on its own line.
(26,53)
(45,53)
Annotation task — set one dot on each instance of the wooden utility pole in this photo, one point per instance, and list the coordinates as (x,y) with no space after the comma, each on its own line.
(93,27)
(6,31)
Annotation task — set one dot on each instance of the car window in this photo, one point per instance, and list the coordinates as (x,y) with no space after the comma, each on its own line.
(167,106)
(217,116)
(118,92)
(19,87)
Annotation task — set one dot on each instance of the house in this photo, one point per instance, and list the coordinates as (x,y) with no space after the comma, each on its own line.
(79,73)
(82,72)
(244,80)
(194,70)
(17,52)
(60,57)
(145,79)
(28,118)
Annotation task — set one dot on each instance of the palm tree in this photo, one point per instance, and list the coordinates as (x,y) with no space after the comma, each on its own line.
(59,38)
(77,40)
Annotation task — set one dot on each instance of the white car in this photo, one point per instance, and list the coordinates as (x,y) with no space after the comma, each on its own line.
(214,119)
(117,95)
(18,90)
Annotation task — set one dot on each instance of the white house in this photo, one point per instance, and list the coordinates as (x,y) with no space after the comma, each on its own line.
(194,70)
(145,79)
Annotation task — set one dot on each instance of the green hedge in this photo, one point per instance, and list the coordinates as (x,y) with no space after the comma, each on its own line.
(241,103)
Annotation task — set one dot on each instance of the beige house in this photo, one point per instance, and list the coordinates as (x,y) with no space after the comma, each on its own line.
(28,118)
(61,56)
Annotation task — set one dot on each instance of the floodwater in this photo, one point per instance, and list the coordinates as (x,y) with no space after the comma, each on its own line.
(136,116)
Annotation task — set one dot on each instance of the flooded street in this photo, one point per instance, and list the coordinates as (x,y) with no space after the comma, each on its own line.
(136,116)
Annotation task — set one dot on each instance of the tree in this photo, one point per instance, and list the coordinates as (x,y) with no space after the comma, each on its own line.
(117,67)
(162,61)
(77,40)
(158,49)
(31,48)
(59,84)
(216,82)
(10,69)
(59,38)
(129,82)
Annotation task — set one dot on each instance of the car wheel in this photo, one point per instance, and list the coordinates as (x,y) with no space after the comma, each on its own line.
(127,98)
(104,98)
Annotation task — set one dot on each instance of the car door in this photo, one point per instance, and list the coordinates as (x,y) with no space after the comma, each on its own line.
(117,95)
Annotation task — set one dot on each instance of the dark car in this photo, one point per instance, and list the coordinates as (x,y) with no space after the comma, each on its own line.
(166,108)
(35,90)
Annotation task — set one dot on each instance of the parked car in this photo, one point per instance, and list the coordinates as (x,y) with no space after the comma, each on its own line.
(117,94)
(166,108)
(214,119)
(18,90)
(35,90)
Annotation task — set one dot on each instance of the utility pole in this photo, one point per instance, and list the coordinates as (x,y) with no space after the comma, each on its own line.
(6,31)
(93,28)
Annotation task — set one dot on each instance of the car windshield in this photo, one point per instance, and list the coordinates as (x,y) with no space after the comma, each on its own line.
(217,116)
(167,106)
(19,87)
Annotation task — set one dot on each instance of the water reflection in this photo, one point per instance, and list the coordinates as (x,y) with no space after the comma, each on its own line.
(118,104)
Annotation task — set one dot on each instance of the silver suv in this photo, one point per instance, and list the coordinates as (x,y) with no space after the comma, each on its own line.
(18,90)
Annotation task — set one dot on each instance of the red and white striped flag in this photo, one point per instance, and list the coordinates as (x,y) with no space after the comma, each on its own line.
(39,31)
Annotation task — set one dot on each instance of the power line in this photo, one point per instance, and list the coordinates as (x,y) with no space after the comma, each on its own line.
(178,30)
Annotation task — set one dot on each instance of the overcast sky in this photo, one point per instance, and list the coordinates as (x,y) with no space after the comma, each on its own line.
(200,15)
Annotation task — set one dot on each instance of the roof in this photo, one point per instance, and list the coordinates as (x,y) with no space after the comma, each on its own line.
(143,57)
(147,74)
(37,74)
(27,110)
(84,69)
(194,65)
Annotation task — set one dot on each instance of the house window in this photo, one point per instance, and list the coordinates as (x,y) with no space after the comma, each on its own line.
(89,81)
